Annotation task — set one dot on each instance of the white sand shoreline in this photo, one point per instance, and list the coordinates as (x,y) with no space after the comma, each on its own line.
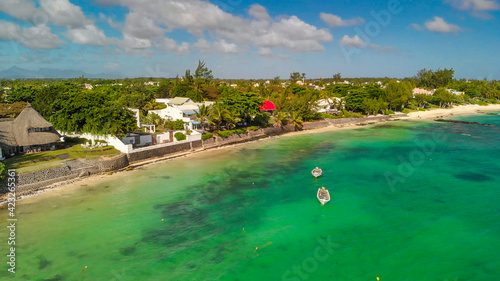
(65,187)
(460,110)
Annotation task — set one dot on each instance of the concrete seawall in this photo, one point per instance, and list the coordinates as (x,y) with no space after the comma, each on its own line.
(73,169)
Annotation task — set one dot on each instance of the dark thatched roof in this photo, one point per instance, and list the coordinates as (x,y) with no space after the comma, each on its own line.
(30,118)
(20,131)
(7,139)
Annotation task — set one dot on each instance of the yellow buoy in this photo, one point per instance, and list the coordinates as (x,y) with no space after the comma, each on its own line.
(378,279)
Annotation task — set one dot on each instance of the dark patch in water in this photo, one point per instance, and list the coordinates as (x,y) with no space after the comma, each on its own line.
(166,177)
(386,126)
(191,265)
(128,251)
(439,201)
(43,262)
(58,277)
(106,186)
(469,176)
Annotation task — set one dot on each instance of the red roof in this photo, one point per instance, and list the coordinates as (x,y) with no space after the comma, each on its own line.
(267,105)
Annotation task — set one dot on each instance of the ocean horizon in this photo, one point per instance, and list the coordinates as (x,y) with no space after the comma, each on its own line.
(410,200)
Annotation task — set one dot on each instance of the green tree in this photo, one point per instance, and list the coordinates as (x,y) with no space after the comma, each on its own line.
(337,77)
(398,94)
(202,114)
(296,120)
(443,97)
(354,100)
(218,114)
(295,76)
(422,99)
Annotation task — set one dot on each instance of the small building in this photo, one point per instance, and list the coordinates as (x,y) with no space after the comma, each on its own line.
(27,133)
(88,86)
(177,101)
(267,106)
(419,91)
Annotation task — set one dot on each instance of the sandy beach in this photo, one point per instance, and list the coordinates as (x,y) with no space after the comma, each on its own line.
(63,189)
(470,109)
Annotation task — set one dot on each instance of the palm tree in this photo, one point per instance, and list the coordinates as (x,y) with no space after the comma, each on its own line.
(218,114)
(232,119)
(280,119)
(296,119)
(202,114)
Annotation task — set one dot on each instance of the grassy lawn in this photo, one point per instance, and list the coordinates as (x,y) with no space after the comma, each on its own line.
(49,159)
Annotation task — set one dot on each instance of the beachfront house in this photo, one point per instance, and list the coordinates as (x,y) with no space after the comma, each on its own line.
(29,132)
(181,108)
(329,106)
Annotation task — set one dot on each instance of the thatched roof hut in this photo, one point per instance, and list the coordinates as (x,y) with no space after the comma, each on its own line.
(33,129)
(7,139)
(27,129)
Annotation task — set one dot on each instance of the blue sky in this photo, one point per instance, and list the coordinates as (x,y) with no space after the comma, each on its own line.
(253,39)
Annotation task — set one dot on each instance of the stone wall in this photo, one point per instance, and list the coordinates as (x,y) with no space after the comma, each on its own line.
(159,151)
(72,169)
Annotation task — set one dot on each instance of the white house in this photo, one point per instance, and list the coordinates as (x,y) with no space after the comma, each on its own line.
(324,106)
(183,109)
(455,92)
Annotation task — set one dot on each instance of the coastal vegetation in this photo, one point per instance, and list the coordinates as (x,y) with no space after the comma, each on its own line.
(48,159)
(100,107)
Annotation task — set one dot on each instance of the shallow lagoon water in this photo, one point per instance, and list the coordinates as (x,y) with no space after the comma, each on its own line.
(410,201)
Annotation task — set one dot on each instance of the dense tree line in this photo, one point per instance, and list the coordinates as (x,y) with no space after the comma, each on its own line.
(103,109)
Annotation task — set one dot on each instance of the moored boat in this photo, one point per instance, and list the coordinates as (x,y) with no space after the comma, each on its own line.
(323,195)
(317,172)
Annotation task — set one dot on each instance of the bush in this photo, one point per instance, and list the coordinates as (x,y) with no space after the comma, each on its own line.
(225,134)
(75,140)
(240,131)
(406,110)
(179,136)
(388,111)
(207,136)
(327,116)
(253,128)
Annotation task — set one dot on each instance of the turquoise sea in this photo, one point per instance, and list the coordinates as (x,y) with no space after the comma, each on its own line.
(410,201)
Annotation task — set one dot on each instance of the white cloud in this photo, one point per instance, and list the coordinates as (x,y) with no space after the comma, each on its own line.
(62,12)
(352,42)
(336,21)
(203,45)
(142,26)
(478,8)
(197,17)
(474,5)
(110,21)
(170,45)
(265,52)
(20,9)
(89,35)
(383,49)
(221,46)
(36,37)
(225,47)
(416,26)
(259,12)
(440,26)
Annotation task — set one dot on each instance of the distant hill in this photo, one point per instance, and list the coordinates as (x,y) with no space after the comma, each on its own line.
(20,73)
